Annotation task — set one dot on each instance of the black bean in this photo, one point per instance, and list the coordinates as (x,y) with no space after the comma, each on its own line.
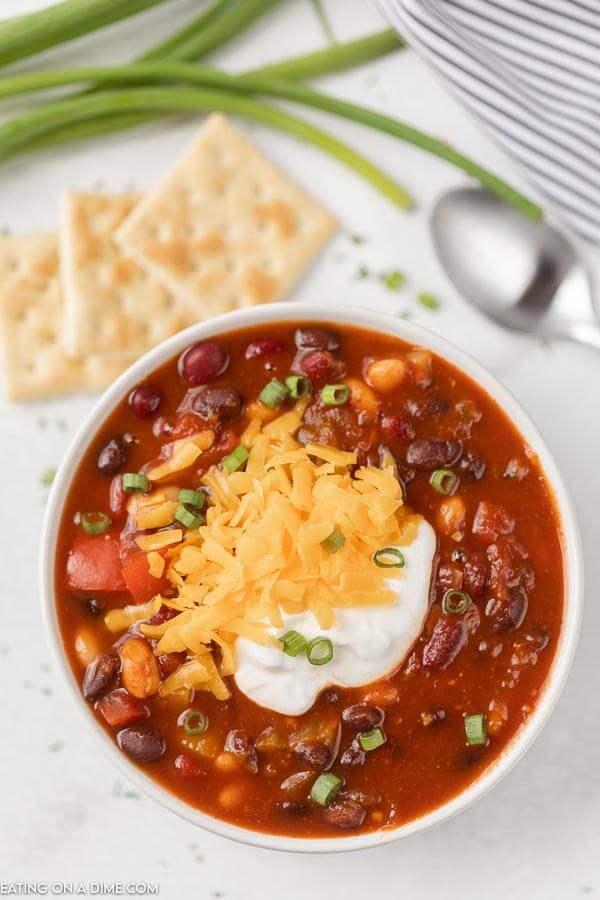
(142,742)
(238,742)
(345,813)
(100,675)
(218,402)
(112,456)
(354,756)
(313,753)
(362,717)
(473,465)
(93,605)
(508,611)
(316,339)
(433,454)
(432,406)
(294,807)
(330,695)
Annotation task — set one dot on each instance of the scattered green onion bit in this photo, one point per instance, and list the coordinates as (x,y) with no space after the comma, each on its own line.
(95,522)
(193,721)
(444,481)
(298,386)
(187,517)
(294,643)
(48,476)
(319,651)
(135,481)
(371,740)
(196,499)
(475,729)
(274,393)
(389,558)
(393,280)
(235,460)
(429,301)
(334,542)
(326,788)
(335,394)
(455,602)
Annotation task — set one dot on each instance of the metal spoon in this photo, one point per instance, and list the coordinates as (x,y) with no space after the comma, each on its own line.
(524,275)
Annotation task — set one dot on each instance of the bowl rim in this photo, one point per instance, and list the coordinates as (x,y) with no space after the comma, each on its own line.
(322,313)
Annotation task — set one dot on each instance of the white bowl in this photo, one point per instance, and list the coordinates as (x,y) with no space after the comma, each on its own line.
(286,312)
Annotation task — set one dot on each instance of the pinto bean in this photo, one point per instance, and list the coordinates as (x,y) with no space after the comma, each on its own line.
(142,742)
(100,675)
(239,743)
(433,454)
(314,754)
(218,403)
(140,671)
(362,717)
(506,613)
(316,339)
(386,375)
(475,572)
(397,428)
(319,365)
(345,813)
(447,640)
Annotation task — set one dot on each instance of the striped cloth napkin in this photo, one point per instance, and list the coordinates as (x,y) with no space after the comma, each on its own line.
(530,69)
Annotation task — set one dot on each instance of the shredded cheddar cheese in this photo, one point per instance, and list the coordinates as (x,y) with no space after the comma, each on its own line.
(261,553)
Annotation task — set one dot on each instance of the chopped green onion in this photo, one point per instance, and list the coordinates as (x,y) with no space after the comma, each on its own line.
(335,394)
(293,643)
(135,481)
(429,301)
(187,517)
(196,499)
(235,460)
(455,602)
(371,740)
(393,280)
(383,558)
(326,788)
(274,393)
(298,386)
(319,651)
(48,476)
(444,481)
(95,522)
(334,542)
(193,721)
(475,729)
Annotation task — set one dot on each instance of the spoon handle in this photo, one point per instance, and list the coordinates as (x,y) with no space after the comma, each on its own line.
(586,333)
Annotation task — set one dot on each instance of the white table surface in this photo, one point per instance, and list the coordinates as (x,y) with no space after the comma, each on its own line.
(66,814)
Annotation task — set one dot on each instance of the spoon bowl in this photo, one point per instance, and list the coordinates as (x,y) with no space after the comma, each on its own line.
(524,275)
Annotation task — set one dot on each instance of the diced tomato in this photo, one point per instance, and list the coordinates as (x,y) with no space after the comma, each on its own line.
(94,564)
(119,709)
(140,583)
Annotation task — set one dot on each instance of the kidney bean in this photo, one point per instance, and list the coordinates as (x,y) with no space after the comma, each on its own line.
(362,717)
(475,572)
(100,674)
(397,428)
(218,403)
(316,339)
(314,754)
(188,767)
(170,662)
(473,465)
(296,785)
(117,497)
(506,613)
(294,807)
(433,454)
(112,456)
(238,742)
(142,742)
(119,709)
(345,813)
(318,365)
(145,400)
(447,640)
(202,362)
(354,756)
(491,520)
(264,347)
(163,615)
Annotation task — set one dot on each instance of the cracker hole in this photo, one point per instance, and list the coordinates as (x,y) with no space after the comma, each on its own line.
(195,267)
(229,265)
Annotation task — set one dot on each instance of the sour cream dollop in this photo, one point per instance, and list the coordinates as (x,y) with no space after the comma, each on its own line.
(369,642)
